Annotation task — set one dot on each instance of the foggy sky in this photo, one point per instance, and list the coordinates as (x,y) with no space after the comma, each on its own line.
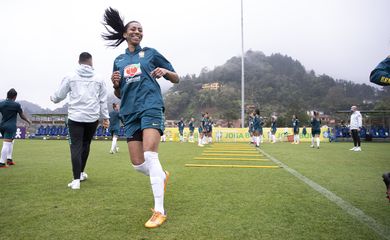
(41,40)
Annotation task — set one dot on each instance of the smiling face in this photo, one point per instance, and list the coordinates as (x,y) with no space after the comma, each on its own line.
(134,33)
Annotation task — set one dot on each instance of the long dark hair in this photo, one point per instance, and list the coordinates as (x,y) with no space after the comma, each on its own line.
(115,27)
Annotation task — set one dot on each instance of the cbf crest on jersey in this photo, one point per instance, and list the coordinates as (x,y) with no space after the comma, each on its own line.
(132,70)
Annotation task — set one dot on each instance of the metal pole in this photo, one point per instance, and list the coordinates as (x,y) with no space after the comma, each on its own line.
(242,66)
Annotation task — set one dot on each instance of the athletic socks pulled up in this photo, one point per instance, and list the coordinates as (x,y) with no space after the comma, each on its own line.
(5,151)
(157,177)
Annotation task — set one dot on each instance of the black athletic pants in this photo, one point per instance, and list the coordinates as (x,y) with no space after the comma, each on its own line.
(355,137)
(80,139)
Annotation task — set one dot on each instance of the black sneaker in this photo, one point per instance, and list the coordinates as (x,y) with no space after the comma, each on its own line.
(10,162)
(3,165)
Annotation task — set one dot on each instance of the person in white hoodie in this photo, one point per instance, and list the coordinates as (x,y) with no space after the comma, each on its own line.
(355,126)
(87,103)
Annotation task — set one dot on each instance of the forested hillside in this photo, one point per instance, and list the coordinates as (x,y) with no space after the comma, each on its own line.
(276,84)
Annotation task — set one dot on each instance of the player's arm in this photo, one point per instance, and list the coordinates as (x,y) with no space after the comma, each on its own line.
(116,79)
(381,74)
(169,75)
(360,121)
(164,69)
(22,116)
(62,91)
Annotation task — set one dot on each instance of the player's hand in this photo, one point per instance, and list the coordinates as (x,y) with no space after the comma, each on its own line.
(116,79)
(159,72)
(106,123)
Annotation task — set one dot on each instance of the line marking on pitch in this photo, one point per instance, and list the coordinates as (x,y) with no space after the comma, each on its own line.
(231,148)
(234,159)
(231,154)
(227,151)
(346,206)
(229,166)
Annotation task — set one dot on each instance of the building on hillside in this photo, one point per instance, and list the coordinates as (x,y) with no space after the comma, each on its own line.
(211,86)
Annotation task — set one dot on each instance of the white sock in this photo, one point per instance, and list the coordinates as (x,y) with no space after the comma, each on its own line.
(318,141)
(312,141)
(199,141)
(257,141)
(4,151)
(297,138)
(10,150)
(157,177)
(210,139)
(113,144)
(143,168)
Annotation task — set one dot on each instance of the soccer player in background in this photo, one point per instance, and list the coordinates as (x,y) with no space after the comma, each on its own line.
(181,126)
(295,124)
(204,123)
(257,127)
(200,137)
(114,127)
(142,106)
(87,103)
(273,129)
(250,128)
(191,128)
(315,130)
(9,110)
(381,76)
(261,129)
(210,130)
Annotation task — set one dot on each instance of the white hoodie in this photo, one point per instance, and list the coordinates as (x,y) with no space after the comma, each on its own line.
(87,95)
(356,120)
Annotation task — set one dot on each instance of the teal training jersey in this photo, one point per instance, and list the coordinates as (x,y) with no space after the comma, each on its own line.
(139,90)
(316,124)
(191,126)
(273,127)
(9,110)
(295,123)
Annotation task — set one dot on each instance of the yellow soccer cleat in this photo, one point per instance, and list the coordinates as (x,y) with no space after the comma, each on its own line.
(156,220)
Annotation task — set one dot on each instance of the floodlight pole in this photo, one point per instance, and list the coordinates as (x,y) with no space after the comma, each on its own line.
(242,67)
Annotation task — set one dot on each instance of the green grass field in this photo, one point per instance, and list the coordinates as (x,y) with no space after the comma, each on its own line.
(202,203)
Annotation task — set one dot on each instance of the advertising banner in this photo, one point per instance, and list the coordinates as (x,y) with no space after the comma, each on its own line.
(242,134)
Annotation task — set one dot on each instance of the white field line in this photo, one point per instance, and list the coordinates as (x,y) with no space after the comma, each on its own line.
(346,206)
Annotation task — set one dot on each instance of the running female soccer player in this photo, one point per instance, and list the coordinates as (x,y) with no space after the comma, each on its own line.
(142,107)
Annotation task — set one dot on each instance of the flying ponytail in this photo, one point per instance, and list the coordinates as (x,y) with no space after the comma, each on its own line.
(114,26)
